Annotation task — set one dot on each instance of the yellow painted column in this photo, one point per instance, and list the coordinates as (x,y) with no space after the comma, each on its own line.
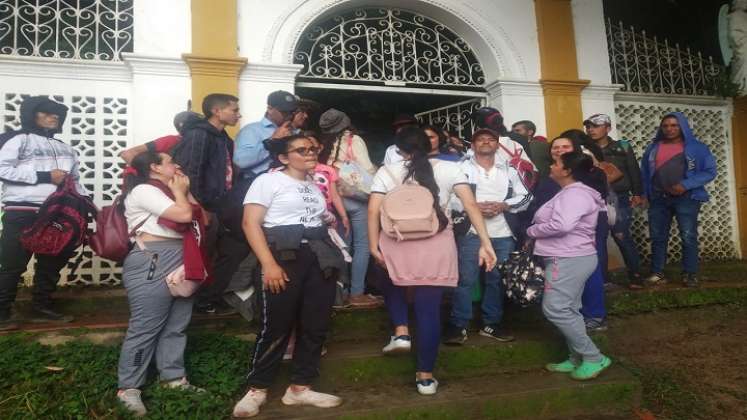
(739,137)
(214,62)
(561,86)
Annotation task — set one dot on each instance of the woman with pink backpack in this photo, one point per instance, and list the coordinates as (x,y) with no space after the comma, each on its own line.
(411,236)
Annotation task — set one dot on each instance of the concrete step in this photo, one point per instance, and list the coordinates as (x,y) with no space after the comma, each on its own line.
(530,394)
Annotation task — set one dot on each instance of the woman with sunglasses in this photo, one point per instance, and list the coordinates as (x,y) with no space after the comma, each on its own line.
(283,223)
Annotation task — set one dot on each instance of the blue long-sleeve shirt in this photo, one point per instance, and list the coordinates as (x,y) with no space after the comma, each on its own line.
(249,152)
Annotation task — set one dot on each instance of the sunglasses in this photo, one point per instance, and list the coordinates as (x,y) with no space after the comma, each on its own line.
(313,150)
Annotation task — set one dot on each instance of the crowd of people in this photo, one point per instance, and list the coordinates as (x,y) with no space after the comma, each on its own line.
(308,210)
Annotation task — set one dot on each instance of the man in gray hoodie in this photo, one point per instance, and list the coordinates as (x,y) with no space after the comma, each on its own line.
(32,164)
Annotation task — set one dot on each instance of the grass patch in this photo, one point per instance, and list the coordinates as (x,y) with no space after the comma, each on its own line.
(639,302)
(86,385)
(667,393)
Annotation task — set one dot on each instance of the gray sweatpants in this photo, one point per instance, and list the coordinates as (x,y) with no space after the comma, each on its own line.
(157,320)
(564,285)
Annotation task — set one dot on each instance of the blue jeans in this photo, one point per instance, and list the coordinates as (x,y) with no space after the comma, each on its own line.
(592,300)
(660,212)
(469,273)
(621,234)
(358,243)
(427,302)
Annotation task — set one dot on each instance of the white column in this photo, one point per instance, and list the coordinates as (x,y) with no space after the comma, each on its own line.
(258,80)
(161,83)
(518,100)
(161,88)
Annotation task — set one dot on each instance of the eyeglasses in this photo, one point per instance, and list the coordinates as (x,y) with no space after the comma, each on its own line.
(313,150)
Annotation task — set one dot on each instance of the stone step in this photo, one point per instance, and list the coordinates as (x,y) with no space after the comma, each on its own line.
(530,394)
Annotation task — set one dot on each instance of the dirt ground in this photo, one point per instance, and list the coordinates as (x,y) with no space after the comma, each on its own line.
(691,361)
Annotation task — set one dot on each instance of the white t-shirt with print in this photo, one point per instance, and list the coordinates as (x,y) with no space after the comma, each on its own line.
(288,200)
(148,202)
(447,175)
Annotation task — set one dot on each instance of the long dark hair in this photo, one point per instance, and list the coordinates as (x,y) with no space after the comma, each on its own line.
(414,142)
(583,170)
(141,164)
(580,138)
(278,147)
(441,136)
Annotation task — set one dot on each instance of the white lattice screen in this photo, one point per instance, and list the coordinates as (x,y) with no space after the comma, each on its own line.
(97,127)
(637,122)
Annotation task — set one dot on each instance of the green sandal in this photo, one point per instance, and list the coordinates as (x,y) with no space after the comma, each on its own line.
(566,366)
(590,370)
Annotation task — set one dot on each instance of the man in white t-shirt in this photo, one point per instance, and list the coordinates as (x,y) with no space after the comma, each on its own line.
(499,190)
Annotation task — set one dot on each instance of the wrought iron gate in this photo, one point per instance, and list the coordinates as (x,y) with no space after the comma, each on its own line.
(456,117)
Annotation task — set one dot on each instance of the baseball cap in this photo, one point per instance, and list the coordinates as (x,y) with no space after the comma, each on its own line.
(283,101)
(598,119)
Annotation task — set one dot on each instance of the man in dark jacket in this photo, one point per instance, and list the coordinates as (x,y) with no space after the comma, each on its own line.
(205,154)
(32,164)
(675,168)
(539,150)
(628,190)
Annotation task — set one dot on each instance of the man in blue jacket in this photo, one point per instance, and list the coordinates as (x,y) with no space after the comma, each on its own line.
(675,168)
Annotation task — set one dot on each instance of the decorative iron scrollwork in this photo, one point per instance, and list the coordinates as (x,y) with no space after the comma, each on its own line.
(390,46)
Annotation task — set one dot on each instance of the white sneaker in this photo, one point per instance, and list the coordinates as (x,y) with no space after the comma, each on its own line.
(249,405)
(398,344)
(427,386)
(132,401)
(182,384)
(309,397)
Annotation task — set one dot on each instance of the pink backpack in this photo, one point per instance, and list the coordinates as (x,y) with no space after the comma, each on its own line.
(407,212)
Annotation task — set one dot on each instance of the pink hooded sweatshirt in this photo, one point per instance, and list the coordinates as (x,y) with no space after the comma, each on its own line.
(565,226)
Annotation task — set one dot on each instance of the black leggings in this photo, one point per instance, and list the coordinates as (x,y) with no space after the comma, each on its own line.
(306,303)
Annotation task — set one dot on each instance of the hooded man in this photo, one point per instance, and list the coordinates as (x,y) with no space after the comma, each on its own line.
(32,164)
(675,168)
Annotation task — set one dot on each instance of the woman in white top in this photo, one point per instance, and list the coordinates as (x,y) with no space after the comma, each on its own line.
(283,212)
(157,320)
(348,147)
(427,266)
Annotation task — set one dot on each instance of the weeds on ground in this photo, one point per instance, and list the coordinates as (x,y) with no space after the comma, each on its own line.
(667,393)
(78,380)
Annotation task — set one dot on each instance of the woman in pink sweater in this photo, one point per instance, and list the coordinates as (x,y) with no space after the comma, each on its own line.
(564,233)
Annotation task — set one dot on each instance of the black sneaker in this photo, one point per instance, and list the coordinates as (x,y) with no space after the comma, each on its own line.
(215,309)
(7,323)
(496,333)
(47,314)
(454,335)
(635,282)
(594,325)
(656,279)
(691,280)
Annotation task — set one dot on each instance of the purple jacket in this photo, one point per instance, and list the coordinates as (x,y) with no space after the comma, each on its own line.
(565,225)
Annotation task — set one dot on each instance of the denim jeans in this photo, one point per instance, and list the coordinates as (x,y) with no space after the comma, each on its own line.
(621,234)
(660,212)
(592,299)
(358,243)
(469,273)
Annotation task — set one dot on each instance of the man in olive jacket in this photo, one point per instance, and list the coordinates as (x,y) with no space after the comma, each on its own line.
(628,190)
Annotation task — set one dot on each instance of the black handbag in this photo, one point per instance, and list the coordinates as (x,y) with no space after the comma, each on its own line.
(523,278)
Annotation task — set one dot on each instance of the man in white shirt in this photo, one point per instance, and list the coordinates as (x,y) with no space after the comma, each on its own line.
(499,190)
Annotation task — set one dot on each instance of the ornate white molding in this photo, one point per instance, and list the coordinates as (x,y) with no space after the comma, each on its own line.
(156,66)
(672,99)
(501,56)
(57,68)
(604,92)
(513,87)
(270,72)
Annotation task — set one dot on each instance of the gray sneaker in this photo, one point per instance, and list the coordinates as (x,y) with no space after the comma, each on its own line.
(182,384)
(690,280)
(595,325)
(656,279)
(132,401)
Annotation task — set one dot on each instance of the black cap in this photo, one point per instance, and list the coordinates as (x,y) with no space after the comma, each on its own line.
(283,101)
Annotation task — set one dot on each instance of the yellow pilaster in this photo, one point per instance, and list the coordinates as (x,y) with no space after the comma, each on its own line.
(561,86)
(739,137)
(214,62)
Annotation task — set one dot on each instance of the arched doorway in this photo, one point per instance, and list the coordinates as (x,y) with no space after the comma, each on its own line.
(376,62)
